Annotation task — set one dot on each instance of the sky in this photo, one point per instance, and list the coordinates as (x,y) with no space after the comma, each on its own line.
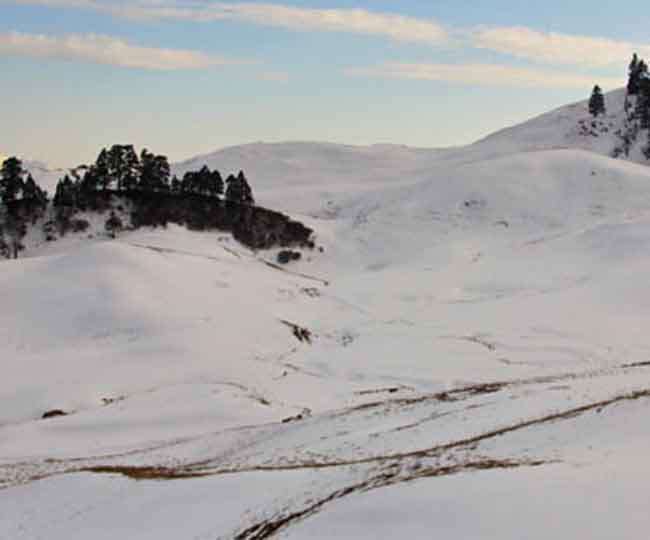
(185,77)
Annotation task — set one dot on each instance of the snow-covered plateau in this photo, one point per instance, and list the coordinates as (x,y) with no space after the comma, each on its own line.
(463,355)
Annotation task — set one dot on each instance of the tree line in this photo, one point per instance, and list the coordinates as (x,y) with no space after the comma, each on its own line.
(121,169)
(17,183)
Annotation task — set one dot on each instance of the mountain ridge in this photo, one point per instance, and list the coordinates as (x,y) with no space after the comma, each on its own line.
(326,167)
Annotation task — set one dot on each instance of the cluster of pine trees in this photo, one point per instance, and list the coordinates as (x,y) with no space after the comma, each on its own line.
(120,169)
(639,85)
(637,107)
(16,183)
(637,104)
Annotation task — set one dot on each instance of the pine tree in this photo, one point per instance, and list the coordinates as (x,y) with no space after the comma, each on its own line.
(204,180)
(642,110)
(123,167)
(216,183)
(175,185)
(154,172)
(638,70)
(597,102)
(31,190)
(147,171)
(238,190)
(65,194)
(247,192)
(162,171)
(632,83)
(90,181)
(98,175)
(11,179)
(189,184)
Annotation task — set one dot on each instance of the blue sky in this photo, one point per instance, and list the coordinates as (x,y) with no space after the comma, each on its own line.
(184,77)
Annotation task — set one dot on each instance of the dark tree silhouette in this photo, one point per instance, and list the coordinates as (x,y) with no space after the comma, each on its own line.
(632,82)
(597,102)
(123,167)
(65,195)
(32,192)
(154,172)
(100,172)
(238,190)
(11,179)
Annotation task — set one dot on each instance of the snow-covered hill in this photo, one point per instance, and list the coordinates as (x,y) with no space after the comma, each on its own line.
(312,177)
(309,177)
(464,358)
(566,127)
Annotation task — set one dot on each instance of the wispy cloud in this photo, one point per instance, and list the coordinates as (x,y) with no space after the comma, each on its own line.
(520,42)
(108,50)
(554,48)
(483,75)
(355,21)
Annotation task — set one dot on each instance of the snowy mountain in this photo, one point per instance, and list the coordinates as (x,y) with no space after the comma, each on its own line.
(464,358)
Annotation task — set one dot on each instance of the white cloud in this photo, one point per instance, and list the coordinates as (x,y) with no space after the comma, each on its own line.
(104,50)
(356,21)
(484,75)
(521,42)
(554,48)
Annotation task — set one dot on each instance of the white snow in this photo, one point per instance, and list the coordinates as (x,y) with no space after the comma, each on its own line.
(478,367)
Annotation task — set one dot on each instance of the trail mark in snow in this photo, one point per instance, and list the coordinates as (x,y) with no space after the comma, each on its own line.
(268,528)
(298,274)
(184,253)
(480,340)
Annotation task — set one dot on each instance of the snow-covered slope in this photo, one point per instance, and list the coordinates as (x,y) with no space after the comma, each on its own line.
(562,128)
(314,177)
(476,363)
(47,178)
